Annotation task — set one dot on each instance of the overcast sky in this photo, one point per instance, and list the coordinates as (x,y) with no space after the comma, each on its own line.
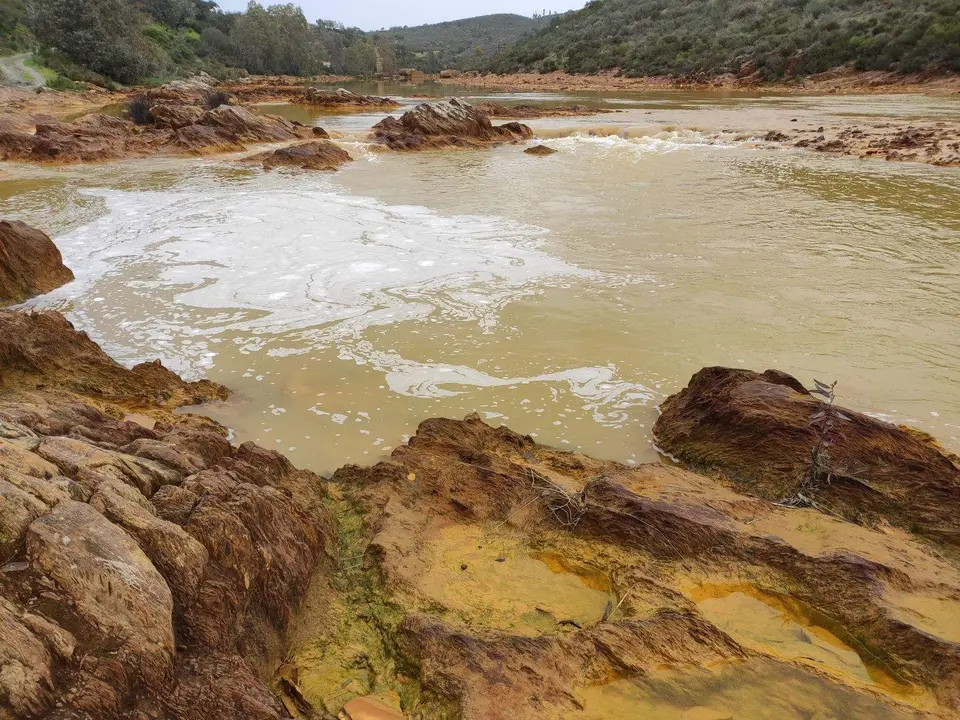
(376,14)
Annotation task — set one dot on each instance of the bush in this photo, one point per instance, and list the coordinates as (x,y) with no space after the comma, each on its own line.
(214,99)
(138,110)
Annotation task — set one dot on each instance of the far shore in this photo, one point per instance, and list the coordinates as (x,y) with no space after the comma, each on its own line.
(840,81)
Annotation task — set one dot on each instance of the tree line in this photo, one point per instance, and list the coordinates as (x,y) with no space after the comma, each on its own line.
(776,38)
(136,41)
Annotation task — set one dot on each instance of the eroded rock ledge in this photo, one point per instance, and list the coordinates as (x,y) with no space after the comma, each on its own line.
(147,567)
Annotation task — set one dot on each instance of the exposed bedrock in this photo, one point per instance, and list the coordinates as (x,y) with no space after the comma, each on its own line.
(145,572)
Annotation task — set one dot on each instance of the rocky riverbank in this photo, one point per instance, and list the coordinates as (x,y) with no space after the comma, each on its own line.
(839,81)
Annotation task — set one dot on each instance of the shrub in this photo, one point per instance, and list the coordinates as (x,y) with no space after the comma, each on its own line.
(215,99)
(138,110)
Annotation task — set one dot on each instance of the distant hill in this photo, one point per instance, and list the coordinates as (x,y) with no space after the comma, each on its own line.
(782,37)
(463,44)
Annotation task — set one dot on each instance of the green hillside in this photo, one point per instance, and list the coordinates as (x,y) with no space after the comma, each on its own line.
(462,44)
(783,37)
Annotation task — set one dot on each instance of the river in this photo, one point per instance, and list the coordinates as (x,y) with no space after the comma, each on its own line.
(564,296)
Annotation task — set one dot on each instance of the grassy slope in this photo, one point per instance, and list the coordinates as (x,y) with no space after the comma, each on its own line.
(652,37)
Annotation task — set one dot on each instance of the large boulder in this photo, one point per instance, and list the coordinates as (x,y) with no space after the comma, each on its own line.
(320,155)
(30,264)
(447,124)
(759,431)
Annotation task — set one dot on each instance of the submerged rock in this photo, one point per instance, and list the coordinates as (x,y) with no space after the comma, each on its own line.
(320,155)
(443,125)
(344,99)
(143,572)
(30,263)
(541,150)
(759,430)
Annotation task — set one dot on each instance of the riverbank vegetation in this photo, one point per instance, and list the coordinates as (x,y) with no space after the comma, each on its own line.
(773,38)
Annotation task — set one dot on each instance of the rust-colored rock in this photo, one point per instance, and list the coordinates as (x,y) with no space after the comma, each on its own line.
(320,155)
(342,99)
(92,138)
(447,124)
(582,573)
(758,431)
(144,572)
(175,117)
(44,350)
(30,264)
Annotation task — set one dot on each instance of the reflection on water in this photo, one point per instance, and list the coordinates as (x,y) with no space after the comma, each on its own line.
(565,296)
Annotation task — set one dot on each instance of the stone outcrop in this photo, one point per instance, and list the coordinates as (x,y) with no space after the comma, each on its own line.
(43,350)
(176,128)
(319,155)
(447,124)
(342,99)
(758,431)
(30,263)
(92,138)
(144,573)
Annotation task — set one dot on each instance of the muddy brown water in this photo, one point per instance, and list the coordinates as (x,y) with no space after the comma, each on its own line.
(565,296)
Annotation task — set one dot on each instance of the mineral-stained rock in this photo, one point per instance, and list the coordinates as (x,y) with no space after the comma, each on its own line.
(541,150)
(92,138)
(43,349)
(447,124)
(759,432)
(176,116)
(30,264)
(114,603)
(320,155)
(344,99)
(530,575)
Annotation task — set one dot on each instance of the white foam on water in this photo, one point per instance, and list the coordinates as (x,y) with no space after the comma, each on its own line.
(624,145)
(288,265)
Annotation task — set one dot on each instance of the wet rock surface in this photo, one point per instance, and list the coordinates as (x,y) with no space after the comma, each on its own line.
(443,125)
(320,155)
(30,263)
(503,579)
(145,572)
(758,432)
(541,150)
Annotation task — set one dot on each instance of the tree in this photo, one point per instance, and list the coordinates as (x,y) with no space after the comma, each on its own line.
(104,35)
(361,57)
(174,13)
